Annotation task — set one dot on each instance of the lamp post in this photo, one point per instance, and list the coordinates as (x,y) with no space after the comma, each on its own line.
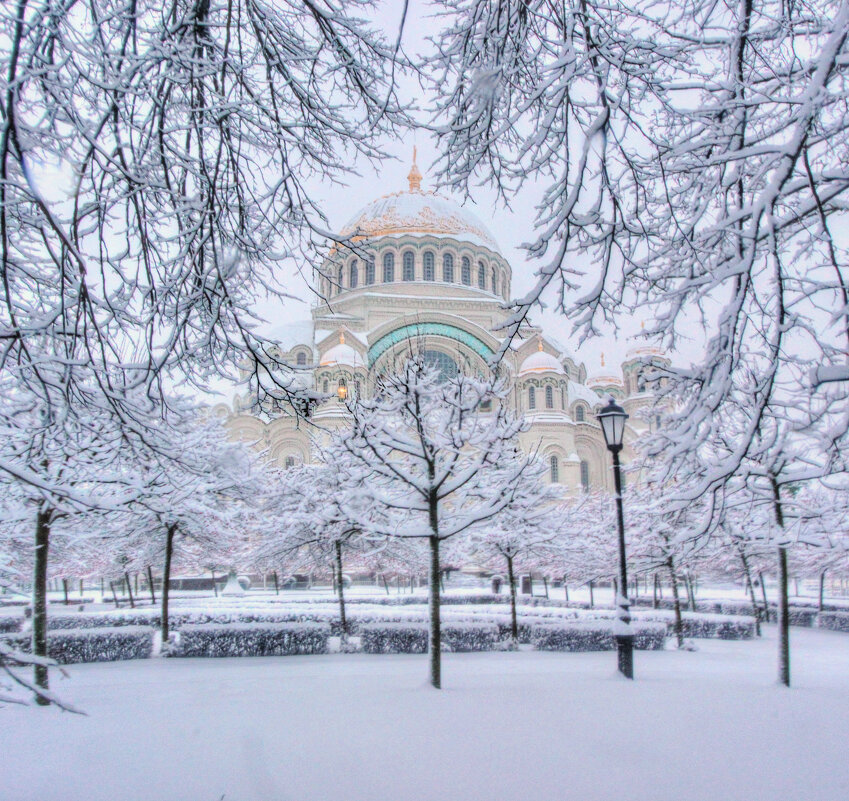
(612,418)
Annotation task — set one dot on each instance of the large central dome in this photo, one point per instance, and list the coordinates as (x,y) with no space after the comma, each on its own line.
(417,212)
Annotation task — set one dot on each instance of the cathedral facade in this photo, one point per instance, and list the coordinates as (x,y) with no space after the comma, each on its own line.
(427,270)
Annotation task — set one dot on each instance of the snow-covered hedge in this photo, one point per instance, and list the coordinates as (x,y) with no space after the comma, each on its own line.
(596,636)
(255,639)
(94,645)
(412,638)
(834,621)
(703,626)
(10,623)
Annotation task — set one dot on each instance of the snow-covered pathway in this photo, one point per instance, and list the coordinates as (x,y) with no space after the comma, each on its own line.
(705,725)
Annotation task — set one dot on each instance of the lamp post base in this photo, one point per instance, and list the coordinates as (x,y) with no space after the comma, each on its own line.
(625,647)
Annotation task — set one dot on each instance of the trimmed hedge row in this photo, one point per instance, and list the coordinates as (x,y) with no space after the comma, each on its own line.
(257,639)
(834,621)
(9,623)
(584,637)
(412,638)
(93,645)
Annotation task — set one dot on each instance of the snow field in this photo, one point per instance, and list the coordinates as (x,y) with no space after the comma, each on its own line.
(705,726)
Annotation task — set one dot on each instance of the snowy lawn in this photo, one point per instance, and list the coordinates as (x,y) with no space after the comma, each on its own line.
(706,725)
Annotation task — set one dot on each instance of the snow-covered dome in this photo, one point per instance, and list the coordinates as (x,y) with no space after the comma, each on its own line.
(418,212)
(342,355)
(540,362)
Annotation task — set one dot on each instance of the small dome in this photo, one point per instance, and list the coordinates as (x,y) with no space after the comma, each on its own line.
(540,362)
(342,355)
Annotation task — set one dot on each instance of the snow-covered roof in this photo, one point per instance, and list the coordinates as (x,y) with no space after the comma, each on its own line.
(423,213)
(604,381)
(582,392)
(539,362)
(342,354)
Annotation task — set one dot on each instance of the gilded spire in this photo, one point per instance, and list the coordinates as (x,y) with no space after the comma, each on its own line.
(341,337)
(602,359)
(415,177)
(539,344)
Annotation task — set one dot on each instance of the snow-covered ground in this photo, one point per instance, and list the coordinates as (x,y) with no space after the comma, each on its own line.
(711,724)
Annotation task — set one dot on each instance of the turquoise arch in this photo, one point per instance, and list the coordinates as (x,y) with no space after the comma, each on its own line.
(413,330)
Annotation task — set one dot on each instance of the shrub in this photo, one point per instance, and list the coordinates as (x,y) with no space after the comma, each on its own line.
(94,645)
(834,621)
(9,623)
(394,638)
(469,636)
(596,636)
(703,626)
(255,639)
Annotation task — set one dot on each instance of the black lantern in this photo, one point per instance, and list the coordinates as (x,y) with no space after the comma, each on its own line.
(612,418)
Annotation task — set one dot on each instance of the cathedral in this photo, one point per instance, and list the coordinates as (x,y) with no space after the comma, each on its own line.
(427,270)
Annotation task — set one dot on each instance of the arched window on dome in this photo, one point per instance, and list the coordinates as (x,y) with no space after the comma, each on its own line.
(481,276)
(354,277)
(448,268)
(549,397)
(324,387)
(290,462)
(369,272)
(585,476)
(388,268)
(429,267)
(466,271)
(409,266)
(554,468)
(494,282)
(301,359)
(442,363)
(532,398)
(580,414)
(562,398)
(339,278)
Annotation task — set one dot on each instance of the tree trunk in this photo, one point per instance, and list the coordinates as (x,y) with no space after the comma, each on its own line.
(82,591)
(39,600)
(751,587)
(214,585)
(150,584)
(783,601)
(654,599)
(385,585)
(276,584)
(592,598)
(822,592)
(435,645)
(114,594)
(545,586)
(511,578)
(65,590)
(766,600)
(565,591)
(676,603)
(129,590)
(341,586)
(170,531)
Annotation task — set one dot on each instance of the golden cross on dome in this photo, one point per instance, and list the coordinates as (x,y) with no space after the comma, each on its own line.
(415,177)
(602,359)
(341,337)
(539,344)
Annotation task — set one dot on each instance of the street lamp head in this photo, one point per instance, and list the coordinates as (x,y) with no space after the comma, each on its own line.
(612,418)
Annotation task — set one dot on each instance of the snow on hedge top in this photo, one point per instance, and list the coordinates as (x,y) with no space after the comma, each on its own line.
(423,213)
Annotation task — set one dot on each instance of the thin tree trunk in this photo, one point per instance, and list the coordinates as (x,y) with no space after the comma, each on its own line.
(514,623)
(214,585)
(276,585)
(39,600)
(783,601)
(114,594)
(751,587)
(565,591)
(385,585)
(763,592)
(150,584)
(592,597)
(654,599)
(65,590)
(676,603)
(129,590)
(435,644)
(82,591)
(822,592)
(545,586)
(341,586)
(170,531)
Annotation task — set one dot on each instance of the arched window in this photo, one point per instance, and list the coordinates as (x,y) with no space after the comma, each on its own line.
(466,271)
(580,414)
(532,398)
(549,397)
(428,266)
(388,268)
(585,476)
(355,274)
(554,468)
(481,276)
(448,268)
(562,398)
(339,280)
(301,359)
(494,282)
(324,387)
(370,272)
(356,389)
(409,269)
(290,462)
(442,363)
